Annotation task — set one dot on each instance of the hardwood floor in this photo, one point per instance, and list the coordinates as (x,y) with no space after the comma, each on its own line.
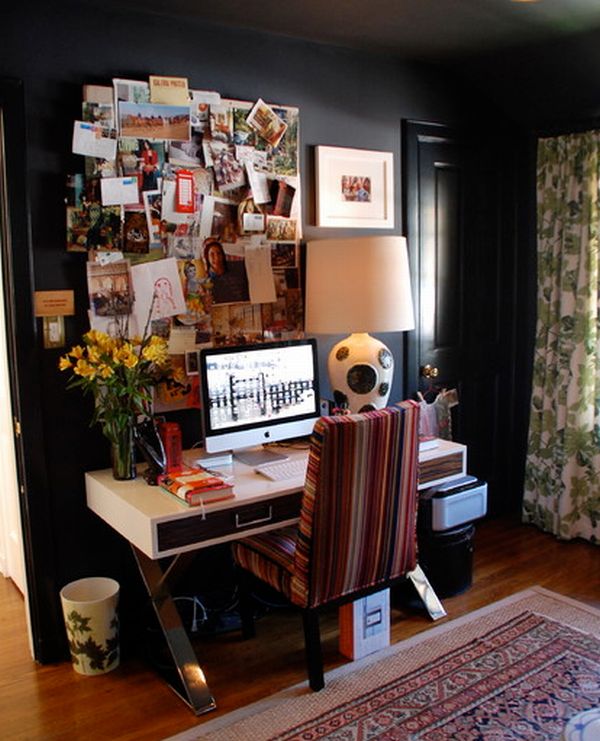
(53,702)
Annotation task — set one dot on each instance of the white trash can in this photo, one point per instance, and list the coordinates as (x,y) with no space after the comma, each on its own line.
(91,619)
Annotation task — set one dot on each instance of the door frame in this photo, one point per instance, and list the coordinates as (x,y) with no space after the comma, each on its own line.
(26,390)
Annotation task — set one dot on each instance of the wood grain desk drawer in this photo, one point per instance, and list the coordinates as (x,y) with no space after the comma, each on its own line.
(441,467)
(226,522)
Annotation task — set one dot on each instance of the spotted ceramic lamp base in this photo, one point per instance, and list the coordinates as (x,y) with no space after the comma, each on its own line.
(360,371)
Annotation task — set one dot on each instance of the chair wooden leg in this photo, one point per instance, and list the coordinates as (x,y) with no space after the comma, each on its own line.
(312,645)
(245,603)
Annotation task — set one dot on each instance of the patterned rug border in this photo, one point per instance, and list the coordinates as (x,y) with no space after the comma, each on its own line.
(209,730)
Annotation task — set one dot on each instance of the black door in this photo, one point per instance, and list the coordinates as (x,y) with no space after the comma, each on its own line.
(459,203)
(46,621)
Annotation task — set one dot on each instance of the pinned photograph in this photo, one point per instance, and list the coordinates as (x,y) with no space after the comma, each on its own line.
(102,114)
(187,153)
(131,91)
(243,134)
(227,273)
(280,229)
(100,168)
(221,123)
(109,287)
(152,209)
(90,225)
(229,173)
(196,291)
(136,236)
(282,196)
(283,255)
(263,119)
(219,219)
(285,155)
(154,121)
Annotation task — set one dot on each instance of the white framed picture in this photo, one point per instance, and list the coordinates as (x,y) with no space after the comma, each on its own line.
(354,188)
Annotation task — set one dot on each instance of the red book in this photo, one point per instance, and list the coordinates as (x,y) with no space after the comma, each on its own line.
(195,486)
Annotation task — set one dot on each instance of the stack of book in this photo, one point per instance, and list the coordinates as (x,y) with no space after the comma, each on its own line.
(196,486)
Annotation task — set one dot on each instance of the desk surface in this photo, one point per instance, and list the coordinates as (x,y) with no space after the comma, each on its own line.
(158,525)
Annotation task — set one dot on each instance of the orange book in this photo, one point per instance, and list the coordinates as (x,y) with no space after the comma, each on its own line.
(194,486)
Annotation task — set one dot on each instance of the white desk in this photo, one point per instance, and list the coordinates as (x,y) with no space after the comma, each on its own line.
(156,526)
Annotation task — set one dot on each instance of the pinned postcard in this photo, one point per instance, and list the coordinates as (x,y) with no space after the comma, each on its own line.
(109,288)
(119,191)
(133,91)
(266,122)
(154,121)
(169,90)
(98,94)
(200,103)
(93,140)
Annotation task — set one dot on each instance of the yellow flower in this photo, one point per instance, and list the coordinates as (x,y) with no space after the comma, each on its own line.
(64,363)
(93,354)
(84,369)
(105,371)
(156,351)
(130,360)
(77,352)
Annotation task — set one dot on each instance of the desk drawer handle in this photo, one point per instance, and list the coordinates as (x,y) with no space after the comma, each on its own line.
(241,523)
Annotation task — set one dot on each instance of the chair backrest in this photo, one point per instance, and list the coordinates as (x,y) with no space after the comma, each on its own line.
(359,508)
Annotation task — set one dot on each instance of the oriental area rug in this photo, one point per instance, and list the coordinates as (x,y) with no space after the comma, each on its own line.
(517,669)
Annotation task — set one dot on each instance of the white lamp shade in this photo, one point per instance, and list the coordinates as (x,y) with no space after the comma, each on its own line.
(358,285)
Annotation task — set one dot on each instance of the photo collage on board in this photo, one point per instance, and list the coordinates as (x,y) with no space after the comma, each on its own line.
(196,193)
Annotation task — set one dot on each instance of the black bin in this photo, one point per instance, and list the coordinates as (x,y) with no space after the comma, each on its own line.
(447,559)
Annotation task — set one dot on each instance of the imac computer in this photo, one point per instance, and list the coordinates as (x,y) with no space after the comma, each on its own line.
(256,394)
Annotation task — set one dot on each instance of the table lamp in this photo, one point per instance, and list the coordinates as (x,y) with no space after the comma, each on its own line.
(359,285)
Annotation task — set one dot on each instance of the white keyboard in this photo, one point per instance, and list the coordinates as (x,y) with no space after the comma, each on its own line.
(292,468)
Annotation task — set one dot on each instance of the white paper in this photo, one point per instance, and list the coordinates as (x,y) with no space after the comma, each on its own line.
(104,258)
(253,223)
(159,278)
(260,273)
(91,140)
(259,184)
(205,96)
(119,191)
(182,340)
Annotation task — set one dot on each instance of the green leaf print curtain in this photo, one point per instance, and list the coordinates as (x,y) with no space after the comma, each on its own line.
(562,480)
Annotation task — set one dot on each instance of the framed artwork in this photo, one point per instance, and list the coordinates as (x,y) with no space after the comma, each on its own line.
(354,188)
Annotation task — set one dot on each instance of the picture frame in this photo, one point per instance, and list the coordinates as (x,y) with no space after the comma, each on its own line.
(354,188)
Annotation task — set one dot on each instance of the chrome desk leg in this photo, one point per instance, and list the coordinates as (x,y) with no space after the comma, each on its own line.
(195,691)
(430,599)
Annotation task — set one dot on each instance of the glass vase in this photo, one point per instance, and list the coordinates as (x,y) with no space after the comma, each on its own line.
(123,454)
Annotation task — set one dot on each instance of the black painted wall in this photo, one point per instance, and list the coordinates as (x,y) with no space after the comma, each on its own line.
(345,98)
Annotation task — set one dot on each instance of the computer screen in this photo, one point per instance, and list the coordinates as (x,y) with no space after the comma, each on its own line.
(255,394)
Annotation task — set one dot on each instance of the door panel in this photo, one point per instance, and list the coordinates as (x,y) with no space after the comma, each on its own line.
(458,214)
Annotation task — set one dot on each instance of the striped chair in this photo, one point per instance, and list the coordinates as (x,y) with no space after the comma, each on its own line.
(357,530)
